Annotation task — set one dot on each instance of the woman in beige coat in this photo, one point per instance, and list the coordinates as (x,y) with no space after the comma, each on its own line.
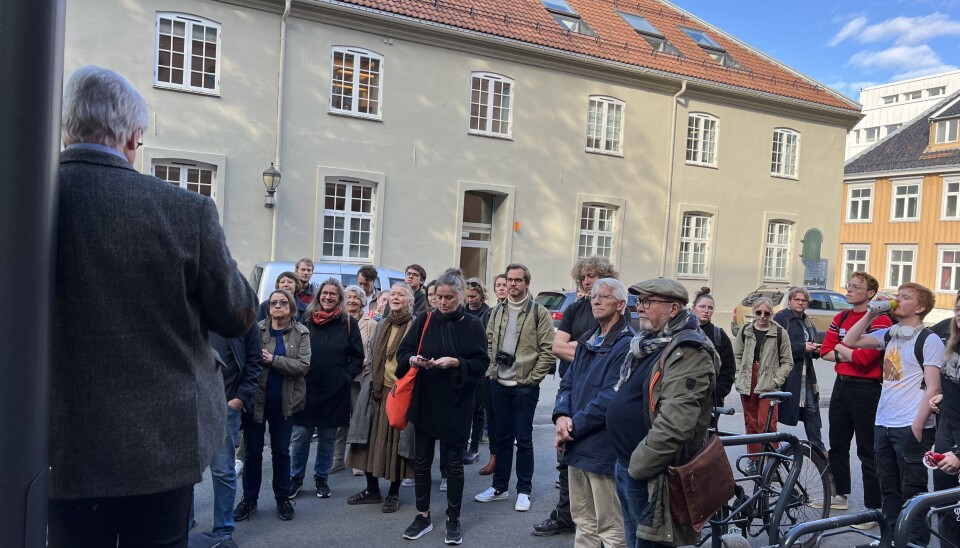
(764,360)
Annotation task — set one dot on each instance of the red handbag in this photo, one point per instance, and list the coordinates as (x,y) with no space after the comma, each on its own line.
(398,400)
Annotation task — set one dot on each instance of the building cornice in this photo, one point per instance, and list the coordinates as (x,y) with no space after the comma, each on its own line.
(855,178)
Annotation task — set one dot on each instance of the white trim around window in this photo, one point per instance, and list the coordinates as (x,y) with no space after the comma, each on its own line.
(905,200)
(356,83)
(703,132)
(605,116)
(584,240)
(855,258)
(778,241)
(948,268)
(859,203)
(693,252)
(186,53)
(491,105)
(785,155)
(950,210)
(901,265)
(149,156)
(359,230)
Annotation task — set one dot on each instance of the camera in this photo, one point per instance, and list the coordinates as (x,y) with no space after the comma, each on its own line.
(504,359)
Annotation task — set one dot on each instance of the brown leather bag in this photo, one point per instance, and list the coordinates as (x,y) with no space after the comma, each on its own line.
(701,487)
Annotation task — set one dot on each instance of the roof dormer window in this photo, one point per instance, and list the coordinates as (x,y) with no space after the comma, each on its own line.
(567,17)
(650,33)
(946,131)
(711,48)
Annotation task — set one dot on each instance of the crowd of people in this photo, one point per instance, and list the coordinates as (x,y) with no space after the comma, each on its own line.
(319,360)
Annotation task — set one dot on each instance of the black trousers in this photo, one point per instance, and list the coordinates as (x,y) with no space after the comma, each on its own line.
(902,473)
(561,514)
(479,405)
(158,520)
(853,411)
(488,410)
(425,444)
(947,436)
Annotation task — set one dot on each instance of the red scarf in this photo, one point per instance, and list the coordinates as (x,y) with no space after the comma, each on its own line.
(320,317)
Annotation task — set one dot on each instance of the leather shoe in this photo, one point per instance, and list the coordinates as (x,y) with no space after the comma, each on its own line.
(365,497)
(550,527)
(490,467)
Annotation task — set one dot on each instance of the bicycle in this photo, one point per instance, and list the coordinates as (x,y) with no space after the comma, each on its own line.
(803,475)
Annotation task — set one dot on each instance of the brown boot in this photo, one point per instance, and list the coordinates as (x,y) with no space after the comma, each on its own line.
(490,467)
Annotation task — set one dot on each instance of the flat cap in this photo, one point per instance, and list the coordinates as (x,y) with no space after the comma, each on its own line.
(662,287)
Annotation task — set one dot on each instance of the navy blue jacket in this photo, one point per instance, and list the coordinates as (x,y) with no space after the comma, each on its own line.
(585,391)
(241,375)
(799,330)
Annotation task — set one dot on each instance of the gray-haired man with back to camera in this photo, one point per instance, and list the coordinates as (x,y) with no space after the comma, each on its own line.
(137,402)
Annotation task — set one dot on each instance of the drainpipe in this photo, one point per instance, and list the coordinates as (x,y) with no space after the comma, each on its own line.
(673,151)
(276,157)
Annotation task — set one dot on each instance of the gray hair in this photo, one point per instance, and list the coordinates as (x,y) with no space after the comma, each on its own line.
(100,106)
(356,289)
(615,285)
(452,280)
(763,301)
(409,292)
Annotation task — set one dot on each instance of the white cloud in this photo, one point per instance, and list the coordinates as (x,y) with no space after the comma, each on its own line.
(907,30)
(902,58)
(850,29)
(851,89)
(923,72)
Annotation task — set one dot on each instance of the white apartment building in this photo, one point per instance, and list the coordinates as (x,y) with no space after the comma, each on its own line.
(886,107)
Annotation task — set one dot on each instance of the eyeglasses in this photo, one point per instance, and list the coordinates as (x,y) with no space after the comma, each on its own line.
(139,143)
(645,303)
(329,294)
(279,304)
(854,287)
(763,313)
(473,284)
(801,300)
(515,280)
(602,298)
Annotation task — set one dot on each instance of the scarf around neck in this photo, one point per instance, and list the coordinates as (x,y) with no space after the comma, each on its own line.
(320,317)
(647,343)
(384,352)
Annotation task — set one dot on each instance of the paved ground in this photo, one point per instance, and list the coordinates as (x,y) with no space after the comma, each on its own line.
(331,522)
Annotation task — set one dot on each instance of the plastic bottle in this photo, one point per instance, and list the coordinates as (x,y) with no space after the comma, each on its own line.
(883,306)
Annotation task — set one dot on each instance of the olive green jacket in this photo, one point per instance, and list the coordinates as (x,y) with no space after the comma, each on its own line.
(534,357)
(775,361)
(293,366)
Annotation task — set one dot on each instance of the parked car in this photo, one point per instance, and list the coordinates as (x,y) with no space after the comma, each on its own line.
(558,301)
(824,305)
(264,276)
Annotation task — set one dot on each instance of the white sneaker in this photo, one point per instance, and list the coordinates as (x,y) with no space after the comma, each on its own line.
(865,526)
(357,472)
(492,494)
(443,485)
(238,466)
(837,502)
(523,502)
(407,483)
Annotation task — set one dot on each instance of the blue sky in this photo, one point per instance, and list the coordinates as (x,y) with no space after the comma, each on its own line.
(844,44)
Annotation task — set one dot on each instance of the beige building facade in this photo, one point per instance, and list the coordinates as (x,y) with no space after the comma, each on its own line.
(402,139)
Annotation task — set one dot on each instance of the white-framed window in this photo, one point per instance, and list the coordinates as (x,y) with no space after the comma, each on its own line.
(786,153)
(890,99)
(356,82)
(187,53)
(948,267)
(348,218)
(711,48)
(855,259)
(946,131)
(905,205)
(567,17)
(596,230)
(490,104)
(912,95)
(702,139)
(605,125)
(694,246)
(856,136)
(870,134)
(648,32)
(936,92)
(860,203)
(951,199)
(901,264)
(892,127)
(195,177)
(776,252)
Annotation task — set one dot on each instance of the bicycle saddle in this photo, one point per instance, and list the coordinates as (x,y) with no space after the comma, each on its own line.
(776,396)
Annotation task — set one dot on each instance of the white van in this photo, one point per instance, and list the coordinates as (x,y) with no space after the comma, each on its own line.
(263,279)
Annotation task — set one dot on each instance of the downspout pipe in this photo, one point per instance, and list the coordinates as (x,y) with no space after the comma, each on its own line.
(673,152)
(280,82)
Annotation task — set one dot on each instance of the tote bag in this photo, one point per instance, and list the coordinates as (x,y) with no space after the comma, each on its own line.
(398,400)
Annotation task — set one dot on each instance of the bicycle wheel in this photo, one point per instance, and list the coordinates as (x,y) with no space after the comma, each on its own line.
(813,487)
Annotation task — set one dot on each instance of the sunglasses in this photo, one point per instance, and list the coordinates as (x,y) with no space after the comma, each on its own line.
(763,313)
(279,304)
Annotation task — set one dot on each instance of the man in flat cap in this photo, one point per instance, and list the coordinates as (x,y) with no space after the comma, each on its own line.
(659,414)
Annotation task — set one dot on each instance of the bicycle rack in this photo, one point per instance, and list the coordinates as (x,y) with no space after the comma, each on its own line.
(925,505)
(827,524)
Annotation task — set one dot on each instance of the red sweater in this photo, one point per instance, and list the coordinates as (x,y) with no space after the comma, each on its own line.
(867,362)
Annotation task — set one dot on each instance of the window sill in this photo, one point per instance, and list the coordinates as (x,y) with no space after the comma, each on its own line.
(604,152)
(858,221)
(208,93)
(910,220)
(697,164)
(351,114)
(775,280)
(787,177)
(500,136)
(692,277)
(351,260)
(950,218)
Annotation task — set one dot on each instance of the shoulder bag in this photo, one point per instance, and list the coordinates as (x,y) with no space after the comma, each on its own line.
(400,396)
(701,487)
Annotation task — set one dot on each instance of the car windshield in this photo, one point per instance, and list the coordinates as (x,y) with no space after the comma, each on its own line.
(551,301)
(840,302)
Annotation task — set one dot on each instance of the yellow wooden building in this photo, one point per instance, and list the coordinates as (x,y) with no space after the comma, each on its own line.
(901,214)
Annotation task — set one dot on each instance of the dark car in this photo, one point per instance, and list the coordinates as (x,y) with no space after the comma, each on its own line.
(557,302)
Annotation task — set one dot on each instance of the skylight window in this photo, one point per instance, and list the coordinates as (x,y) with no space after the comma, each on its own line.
(568,19)
(649,33)
(711,48)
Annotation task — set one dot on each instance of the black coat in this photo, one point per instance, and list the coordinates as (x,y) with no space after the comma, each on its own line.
(443,398)
(728,363)
(799,330)
(337,358)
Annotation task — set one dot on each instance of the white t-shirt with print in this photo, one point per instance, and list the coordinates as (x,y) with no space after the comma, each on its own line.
(902,376)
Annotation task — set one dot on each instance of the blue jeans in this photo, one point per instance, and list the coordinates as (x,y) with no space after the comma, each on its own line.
(300,451)
(224,472)
(253,433)
(633,502)
(514,407)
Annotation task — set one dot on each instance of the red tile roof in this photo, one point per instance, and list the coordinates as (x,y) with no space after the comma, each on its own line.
(528,21)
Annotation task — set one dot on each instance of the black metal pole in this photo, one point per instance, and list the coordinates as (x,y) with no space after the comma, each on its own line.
(31,62)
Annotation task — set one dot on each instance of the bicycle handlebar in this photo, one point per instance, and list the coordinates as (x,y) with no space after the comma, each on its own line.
(724,411)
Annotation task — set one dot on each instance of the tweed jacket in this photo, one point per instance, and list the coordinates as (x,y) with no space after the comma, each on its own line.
(142,274)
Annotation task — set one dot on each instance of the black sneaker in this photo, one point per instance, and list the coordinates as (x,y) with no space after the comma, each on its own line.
(550,527)
(421,526)
(285,509)
(323,490)
(244,509)
(296,484)
(453,532)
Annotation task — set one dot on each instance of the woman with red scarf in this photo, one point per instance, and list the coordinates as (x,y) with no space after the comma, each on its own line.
(339,357)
